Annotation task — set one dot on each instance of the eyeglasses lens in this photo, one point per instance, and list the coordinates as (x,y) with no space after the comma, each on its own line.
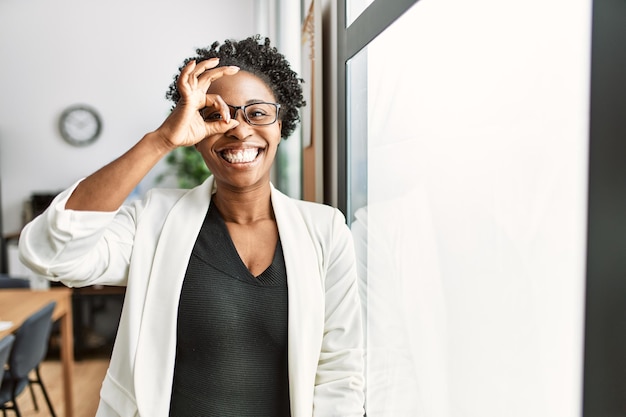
(260,113)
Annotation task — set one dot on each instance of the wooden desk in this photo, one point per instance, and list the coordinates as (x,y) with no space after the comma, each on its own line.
(16,305)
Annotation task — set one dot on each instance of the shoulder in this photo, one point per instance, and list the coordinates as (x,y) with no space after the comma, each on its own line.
(310,211)
(156,202)
(316,209)
(323,223)
(164,195)
(161,200)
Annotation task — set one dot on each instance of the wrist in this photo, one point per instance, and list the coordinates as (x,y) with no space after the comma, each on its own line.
(162,144)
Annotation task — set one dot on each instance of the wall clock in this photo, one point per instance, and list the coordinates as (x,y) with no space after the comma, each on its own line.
(80,125)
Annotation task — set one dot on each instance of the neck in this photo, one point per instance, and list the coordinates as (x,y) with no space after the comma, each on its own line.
(244,207)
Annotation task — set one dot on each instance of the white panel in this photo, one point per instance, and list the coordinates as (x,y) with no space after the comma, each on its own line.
(472,243)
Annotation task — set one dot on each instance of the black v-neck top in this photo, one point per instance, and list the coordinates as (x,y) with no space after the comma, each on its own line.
(231,350)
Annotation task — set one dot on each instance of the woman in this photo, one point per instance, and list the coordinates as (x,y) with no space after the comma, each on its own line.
(240,301)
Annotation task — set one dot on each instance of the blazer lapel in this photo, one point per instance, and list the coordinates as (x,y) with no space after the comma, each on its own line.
(306,302)
(156,346)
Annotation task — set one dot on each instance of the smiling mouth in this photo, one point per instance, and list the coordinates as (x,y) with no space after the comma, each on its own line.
(240,156)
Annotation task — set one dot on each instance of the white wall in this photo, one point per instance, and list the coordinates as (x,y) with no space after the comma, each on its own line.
(118,56)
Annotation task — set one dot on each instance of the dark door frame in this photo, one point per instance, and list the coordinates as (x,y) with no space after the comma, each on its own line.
(604,391)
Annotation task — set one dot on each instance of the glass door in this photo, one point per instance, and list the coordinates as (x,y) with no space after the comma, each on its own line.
(466,148)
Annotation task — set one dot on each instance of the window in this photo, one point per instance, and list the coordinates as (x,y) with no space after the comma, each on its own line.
(466,148)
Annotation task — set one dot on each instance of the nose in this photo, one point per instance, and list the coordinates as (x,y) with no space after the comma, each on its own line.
(243,129)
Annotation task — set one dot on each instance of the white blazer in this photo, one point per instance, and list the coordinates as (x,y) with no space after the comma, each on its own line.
(146,246)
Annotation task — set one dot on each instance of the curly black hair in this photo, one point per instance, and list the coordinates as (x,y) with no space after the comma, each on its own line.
(257,57)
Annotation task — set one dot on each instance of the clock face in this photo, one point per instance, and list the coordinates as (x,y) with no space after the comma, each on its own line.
(80,125)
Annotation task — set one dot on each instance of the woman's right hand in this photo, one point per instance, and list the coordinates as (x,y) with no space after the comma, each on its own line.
(185,126)
(107,188)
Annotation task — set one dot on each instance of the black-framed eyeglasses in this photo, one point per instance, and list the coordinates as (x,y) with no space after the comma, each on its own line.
(256,114)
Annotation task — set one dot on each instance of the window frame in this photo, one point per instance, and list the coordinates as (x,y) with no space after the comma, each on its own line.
(350,41)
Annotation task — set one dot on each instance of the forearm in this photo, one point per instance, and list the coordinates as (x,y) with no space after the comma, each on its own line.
(107,188)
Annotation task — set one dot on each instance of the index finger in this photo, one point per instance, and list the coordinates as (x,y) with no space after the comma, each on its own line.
(208,76)
(202,66)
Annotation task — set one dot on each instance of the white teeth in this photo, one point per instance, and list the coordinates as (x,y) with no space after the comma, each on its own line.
(239,156)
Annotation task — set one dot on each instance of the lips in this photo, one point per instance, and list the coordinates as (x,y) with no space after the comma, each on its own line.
(240,156)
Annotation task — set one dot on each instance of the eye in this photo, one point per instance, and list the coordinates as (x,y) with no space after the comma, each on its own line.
(210,115)
(260,111)
(256,112)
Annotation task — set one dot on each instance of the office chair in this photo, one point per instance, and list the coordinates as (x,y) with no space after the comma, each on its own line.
(6,343)
(7,281)
(29,349)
